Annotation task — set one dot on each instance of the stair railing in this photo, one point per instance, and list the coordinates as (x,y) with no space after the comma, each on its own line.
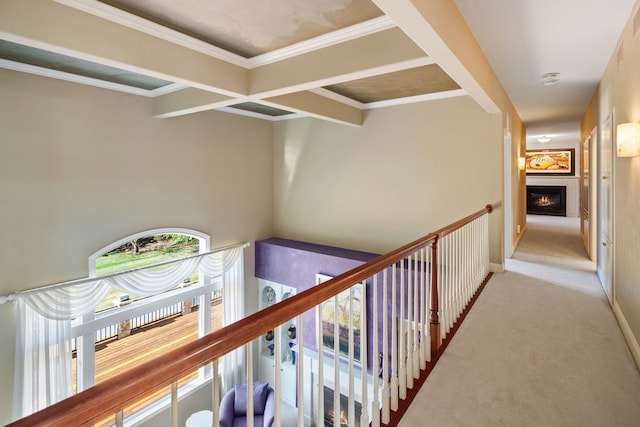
(412,296)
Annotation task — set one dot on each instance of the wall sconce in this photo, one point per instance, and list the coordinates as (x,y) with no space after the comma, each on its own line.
(628,139)
(521,163)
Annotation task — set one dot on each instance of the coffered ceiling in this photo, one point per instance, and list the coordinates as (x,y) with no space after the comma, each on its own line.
(275,59)
(330,59)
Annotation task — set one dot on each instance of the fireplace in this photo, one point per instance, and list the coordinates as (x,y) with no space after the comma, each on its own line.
(547,200)
(343,412)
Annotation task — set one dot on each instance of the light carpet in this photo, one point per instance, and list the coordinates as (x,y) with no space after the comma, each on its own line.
(540,347)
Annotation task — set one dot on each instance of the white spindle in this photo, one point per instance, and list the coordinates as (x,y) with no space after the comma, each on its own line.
(427,303)
(174,404)
(409,372)
(300,366)
(375,405)
(119,419)
(336,361)
(416,300)
(402,375)
(386,413)
(394,342)
(351,407)
(423,308)
(364,417)
(277,357)
(249,351)
(320,394)
(215,404)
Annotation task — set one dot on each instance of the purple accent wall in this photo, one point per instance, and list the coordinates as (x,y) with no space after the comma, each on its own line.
(295,264)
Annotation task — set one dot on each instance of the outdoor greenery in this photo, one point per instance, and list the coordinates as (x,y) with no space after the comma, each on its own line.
(143,252)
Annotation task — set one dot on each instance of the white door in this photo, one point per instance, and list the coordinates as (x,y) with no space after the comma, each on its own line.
(605,220)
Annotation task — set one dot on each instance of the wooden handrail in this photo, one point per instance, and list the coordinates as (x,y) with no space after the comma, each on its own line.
(105,399)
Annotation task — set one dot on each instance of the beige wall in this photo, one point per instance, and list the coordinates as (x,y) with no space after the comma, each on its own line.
(619,91)
(407,171)
(81,167)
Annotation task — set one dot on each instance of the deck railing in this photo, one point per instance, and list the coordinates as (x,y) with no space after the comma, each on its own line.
(408,305)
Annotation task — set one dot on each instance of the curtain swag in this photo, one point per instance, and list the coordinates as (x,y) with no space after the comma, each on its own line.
(43,318)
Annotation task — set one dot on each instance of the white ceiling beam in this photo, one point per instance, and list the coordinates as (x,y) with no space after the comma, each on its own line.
(188,101)
(439,29)
(373,54)
(382,52)
(312,104)
(52,26)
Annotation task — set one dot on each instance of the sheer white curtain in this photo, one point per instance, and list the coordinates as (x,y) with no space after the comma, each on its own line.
(43,320)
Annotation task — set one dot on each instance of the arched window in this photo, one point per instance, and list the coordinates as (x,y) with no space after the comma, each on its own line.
(76,331)
(127,329)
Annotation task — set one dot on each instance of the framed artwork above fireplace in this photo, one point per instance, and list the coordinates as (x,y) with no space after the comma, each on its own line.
(551,162)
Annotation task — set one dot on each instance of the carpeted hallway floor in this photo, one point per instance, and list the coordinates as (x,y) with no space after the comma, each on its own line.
(541,346)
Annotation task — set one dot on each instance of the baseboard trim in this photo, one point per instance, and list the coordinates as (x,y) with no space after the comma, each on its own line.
(496,268)
(519,238)
(632,342)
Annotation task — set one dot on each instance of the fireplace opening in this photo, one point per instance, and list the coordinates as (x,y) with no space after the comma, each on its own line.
(547,200)
(342,414)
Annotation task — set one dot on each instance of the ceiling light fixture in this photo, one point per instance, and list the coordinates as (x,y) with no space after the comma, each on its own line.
(549,79)
(544,139)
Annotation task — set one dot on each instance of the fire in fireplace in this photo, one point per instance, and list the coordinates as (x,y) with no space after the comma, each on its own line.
(546,200)
(343,419)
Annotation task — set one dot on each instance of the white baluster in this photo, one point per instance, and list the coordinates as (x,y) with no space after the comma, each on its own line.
(416,299)
(277,357)
(427,303)
(394,342)
(375,404)
(402,356)
(386,414)
(423,309)
(119,419)
(336,361)
(351,411)
(249,351)
(409,372)
(320,394)
(215,395)
(364,416)
(300,366)
(174,404)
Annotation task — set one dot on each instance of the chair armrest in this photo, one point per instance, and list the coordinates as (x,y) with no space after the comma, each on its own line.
(269,409)
(226,411)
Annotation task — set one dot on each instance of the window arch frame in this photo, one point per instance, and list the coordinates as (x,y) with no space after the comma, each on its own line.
(85,373)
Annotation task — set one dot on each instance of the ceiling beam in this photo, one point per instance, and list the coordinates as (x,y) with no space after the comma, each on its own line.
(439,29)
(52,26)
(385,51)
(382,52)
(312,104)
(187,101)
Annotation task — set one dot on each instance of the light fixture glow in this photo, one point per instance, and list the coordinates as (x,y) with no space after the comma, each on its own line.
(522,163)
(544,139)
(628,140)
(549,79)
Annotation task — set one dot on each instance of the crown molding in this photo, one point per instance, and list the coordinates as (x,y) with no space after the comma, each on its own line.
(74,78)
(132,21)
(342,35)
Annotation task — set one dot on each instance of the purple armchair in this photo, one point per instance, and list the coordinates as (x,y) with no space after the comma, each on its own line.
(233,406)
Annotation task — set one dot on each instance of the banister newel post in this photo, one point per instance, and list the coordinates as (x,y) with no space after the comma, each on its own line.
(434,320)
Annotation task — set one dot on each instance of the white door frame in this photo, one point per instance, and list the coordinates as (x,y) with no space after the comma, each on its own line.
(508,195)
